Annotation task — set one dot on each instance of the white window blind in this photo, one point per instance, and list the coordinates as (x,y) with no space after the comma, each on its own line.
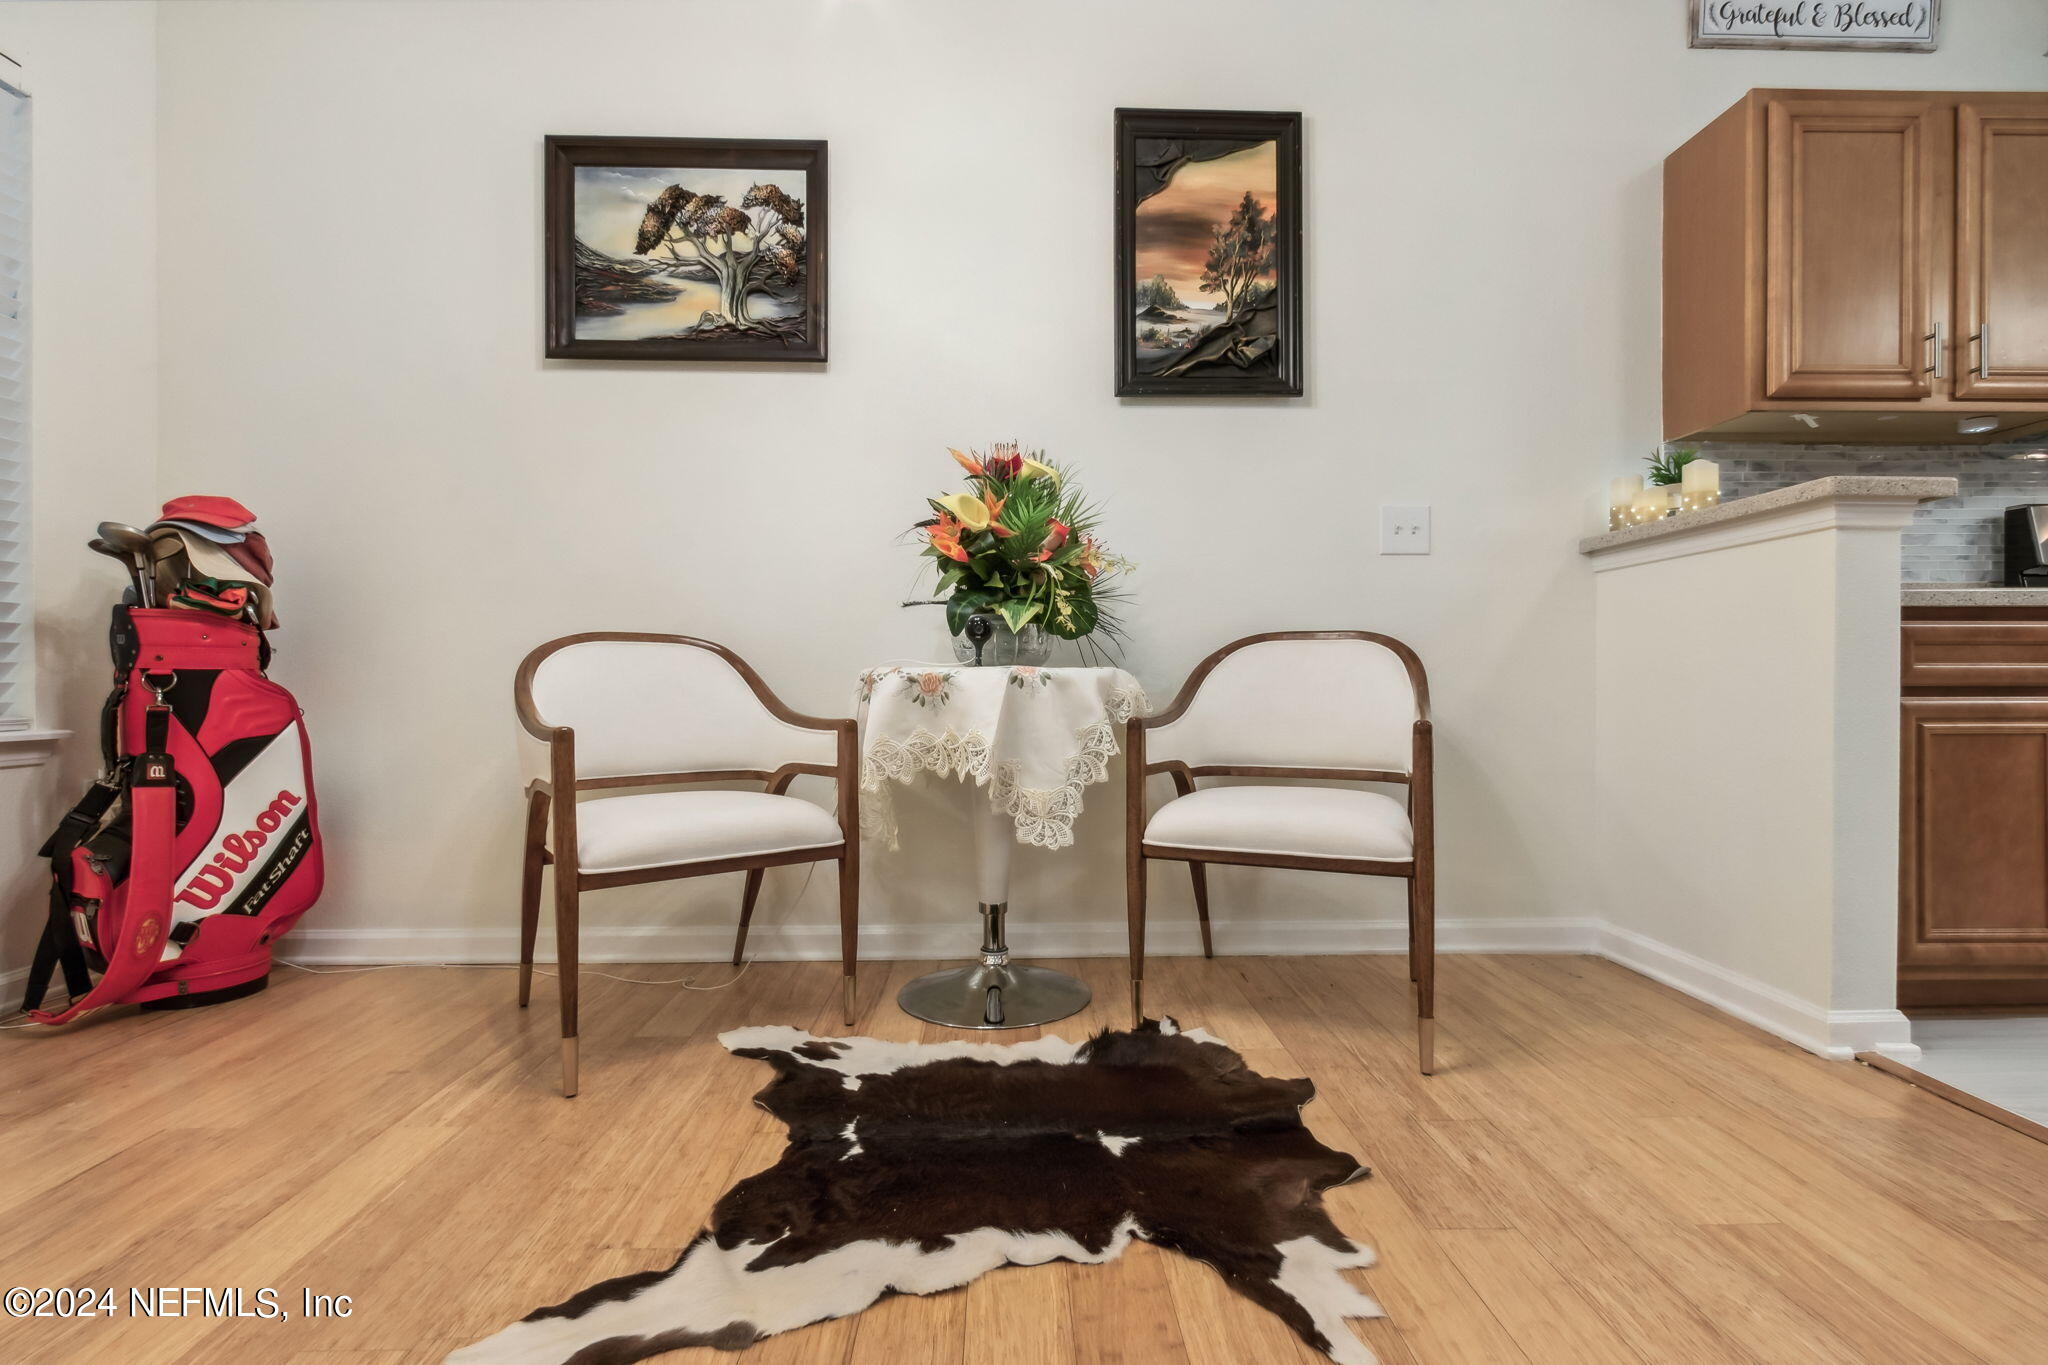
(16,649)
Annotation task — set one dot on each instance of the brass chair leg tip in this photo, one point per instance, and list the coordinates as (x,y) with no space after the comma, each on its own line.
(568,1068)
(847,995)
(1425,1039)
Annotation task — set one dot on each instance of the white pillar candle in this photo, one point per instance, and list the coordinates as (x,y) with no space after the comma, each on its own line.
(1623,490)
(1702,476)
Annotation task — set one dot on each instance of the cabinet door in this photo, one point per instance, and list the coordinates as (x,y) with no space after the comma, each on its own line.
(1850,223)
(1973,837)
(2002,251)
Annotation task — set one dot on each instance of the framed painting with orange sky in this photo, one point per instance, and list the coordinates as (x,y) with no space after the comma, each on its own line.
(1208,252)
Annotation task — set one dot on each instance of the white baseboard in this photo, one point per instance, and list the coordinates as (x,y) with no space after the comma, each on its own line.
(1836,1034)
(891,942)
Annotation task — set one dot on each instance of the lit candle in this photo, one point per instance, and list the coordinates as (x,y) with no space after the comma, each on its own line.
(1621,498)
(1702,486)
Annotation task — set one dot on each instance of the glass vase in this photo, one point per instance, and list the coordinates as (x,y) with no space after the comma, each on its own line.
(1001,646)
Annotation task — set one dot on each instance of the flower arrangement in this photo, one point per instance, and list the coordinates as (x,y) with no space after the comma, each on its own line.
(1020,543)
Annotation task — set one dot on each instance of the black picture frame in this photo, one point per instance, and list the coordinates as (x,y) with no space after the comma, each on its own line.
(563,154)
(1283,129)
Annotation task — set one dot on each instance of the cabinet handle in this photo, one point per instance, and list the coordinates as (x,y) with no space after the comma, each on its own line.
(1983,339)
(1937,358)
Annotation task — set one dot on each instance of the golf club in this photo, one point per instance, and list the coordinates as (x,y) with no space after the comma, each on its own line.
(136,545)
(127,562)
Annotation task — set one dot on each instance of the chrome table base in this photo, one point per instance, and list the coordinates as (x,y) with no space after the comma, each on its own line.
(993,993)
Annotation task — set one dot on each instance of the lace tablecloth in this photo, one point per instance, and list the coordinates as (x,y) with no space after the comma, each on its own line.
(1034,737)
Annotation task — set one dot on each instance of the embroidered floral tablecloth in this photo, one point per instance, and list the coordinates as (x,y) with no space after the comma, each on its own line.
(1034,737)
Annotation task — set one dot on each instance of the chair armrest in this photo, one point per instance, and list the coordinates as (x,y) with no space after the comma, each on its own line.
(849,790)
(1422,777)
(774,705)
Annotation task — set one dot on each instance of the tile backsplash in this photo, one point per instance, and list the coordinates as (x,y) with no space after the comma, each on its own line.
(1956,540)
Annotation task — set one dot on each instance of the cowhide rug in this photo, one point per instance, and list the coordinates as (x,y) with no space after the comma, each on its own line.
(914,1168)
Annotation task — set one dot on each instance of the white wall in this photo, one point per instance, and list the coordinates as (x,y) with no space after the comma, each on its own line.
(1746,767)
(91,70)
(350,338)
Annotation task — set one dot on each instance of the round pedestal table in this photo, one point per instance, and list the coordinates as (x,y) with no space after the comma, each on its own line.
(1031,739)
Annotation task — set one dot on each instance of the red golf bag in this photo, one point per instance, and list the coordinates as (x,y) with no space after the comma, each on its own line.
(198,847)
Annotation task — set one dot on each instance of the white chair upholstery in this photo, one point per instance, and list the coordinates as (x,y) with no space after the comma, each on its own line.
(662,829)
(1297,704)
(651,706)
(1303,822)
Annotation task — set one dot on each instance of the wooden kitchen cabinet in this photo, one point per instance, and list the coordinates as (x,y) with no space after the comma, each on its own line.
(1973,826)
(2002,249)
(1836,262)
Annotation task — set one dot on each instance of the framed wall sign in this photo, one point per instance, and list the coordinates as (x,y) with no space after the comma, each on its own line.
(1842,25)
(685,249)
(1208,252)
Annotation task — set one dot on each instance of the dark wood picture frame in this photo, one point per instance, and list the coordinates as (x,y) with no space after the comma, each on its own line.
(1283,129)
(564,154)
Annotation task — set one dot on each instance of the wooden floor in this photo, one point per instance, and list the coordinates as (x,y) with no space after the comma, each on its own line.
(1604,1171)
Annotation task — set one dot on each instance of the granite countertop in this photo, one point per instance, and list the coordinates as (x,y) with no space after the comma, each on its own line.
(1901,488)
(1970,595)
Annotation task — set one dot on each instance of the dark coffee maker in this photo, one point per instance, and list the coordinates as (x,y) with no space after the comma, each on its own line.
(2026,545)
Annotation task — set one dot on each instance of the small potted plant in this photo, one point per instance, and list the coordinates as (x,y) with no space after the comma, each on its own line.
(1667,471)
(1018,561)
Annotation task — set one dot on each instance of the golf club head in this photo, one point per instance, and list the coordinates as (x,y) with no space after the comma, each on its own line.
(128,562)
(127,539)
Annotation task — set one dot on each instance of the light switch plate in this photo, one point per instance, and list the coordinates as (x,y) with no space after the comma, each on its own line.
(1404,530)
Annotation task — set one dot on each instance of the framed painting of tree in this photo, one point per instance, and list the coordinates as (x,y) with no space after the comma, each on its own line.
(685,249)
(1208,252)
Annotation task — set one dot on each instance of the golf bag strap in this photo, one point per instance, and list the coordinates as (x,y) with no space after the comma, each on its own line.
(153,811)
(59,943)
(80,820)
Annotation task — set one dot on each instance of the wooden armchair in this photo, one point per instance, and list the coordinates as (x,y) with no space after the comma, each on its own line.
(1330,704)
(623,711)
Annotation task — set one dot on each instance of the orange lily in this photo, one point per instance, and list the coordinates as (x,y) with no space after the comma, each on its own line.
(967,462)
(945,538)
(995,509)
(1054,539)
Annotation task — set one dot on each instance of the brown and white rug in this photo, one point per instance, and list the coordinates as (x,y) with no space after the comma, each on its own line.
(914,1168)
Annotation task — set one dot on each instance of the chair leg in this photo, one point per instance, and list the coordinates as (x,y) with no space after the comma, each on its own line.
(566,953)
(529,889)
(747,899)
(849,927)
(1412,974)
(1134,888)
(1424,893)
(1200,876)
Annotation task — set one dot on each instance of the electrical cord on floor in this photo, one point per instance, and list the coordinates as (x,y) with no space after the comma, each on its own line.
(688,983)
